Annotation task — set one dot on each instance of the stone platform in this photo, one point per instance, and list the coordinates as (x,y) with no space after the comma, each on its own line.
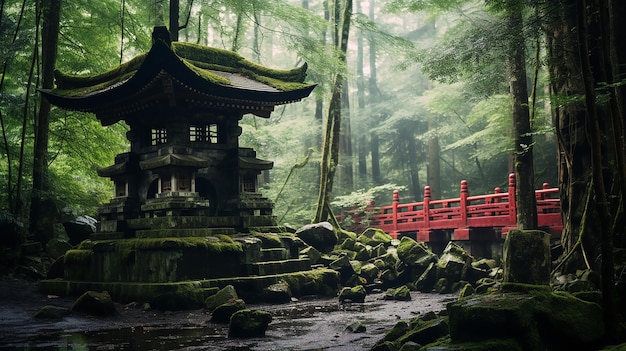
(189,262)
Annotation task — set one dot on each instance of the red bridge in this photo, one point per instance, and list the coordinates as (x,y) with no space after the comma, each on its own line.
(466,218)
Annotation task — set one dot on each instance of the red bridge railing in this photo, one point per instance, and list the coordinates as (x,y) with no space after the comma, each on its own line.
(467,217)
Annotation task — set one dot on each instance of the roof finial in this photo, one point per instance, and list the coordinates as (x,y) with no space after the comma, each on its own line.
(161,33)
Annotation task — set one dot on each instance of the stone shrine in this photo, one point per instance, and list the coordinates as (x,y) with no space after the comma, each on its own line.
(186,208)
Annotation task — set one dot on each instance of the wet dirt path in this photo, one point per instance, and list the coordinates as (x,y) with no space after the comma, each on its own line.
(307,324)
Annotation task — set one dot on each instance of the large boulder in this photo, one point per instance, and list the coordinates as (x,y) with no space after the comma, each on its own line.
(319,235)
(536,317)
(527,257)
(249,324)
(95,303)
(80,228)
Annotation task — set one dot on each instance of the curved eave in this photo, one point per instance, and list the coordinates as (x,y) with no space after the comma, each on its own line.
(162,58)
(246,162)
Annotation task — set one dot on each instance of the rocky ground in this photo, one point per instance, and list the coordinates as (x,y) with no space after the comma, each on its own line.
(307,324)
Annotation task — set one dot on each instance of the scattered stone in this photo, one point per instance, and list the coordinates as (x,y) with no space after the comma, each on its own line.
(95,303)
(426,281)
(385,346)
(224,295)
(400,294)
(249,324)
(467,290)
(415,253)
(356,327)
(222,313)
(355,294)
(374,236)
(426,333)
(441,286)
(453,262)
(277,293)
(370,272)
(56,269)
(411,346)
(52,312)
(312,253)
(319,235)
(56,248)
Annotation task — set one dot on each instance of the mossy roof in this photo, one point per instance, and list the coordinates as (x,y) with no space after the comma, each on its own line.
(202,75)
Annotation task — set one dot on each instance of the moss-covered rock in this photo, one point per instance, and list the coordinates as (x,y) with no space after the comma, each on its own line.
(415,253)
(426,333)
(537,319)
(95,303)
(278,293)
(249,324)
(453,262)
(354,294)
(319,235)
(224,295)
(527,257)
(401,293)
(370,272)
(374,236)
(466,291)
(312,253)
(223,312)
(52,312)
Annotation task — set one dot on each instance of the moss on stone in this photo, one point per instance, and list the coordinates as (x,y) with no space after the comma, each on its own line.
(77,257)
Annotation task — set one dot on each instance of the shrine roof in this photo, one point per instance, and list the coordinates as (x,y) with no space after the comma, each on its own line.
(198,74)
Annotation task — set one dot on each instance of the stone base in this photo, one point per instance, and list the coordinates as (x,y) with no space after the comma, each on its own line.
(321,282)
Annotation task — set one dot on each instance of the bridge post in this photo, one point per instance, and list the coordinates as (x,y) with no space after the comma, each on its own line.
(424,235)
(462,232)
(512,205)
(394,208)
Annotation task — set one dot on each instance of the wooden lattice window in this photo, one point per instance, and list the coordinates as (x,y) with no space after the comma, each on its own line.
(206,133)
(248,183)
(120,188)
(158,136)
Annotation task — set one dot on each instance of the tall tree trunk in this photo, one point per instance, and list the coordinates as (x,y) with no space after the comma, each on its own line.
(414,178)
(360,91)
(174,14)
(375,95)
(595,135)
(330,152)
(51,13)
(347,175)
(13,194)
(434,164)
(516,66)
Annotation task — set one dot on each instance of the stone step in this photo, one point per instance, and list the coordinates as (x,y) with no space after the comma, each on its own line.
(279,267)
(274,254)
(106,236)
(182,232)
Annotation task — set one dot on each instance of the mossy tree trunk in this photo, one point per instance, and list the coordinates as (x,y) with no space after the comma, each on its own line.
(516,66)
(51,14)
(330,151)
(591,167)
